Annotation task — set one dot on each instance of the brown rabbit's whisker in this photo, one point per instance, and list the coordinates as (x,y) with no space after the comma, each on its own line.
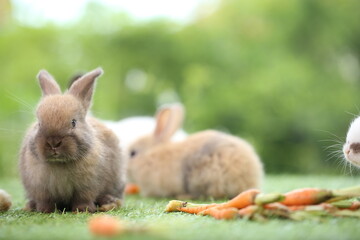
(11,131)
(21,101)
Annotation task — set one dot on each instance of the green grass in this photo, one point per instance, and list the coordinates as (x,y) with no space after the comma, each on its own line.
(17,224)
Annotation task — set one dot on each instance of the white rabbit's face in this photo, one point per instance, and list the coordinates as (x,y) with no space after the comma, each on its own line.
(351,148)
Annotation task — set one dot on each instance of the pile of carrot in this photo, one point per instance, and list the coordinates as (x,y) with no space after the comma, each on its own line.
(297,205)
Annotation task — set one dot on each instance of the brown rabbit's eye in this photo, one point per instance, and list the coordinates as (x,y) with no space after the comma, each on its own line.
(73,123)
(132,153)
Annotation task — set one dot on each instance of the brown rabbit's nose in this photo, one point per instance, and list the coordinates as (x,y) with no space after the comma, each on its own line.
(54,142)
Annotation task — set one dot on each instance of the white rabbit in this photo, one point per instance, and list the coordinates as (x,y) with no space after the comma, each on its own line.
(351,147)
(132,128)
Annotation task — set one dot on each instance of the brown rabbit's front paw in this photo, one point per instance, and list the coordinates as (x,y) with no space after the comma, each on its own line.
(30,206)
(84,207)
(108,202)
(44,207)
(110,206)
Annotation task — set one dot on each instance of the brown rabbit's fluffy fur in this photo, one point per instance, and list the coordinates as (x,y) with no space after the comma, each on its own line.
(63,166)
(206,164)
(5,201)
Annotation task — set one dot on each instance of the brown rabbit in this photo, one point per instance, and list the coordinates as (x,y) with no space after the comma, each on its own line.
(68,159)
(5,201)
(206,164)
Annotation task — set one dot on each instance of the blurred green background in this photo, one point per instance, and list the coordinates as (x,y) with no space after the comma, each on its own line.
(283,74)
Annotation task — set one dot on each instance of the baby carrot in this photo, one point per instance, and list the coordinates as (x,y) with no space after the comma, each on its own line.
(196,209)
(131,188)
(249,211)
(276,210)
(318,207)
(347,204)
(355,206)
(221,213)
(306,196)
(105,225)
(193,208)
(276,206)
(296,207)
(242,200)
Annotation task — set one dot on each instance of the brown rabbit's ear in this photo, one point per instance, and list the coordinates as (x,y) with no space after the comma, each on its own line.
(74,78)
(48,84)
(168,120)
(83,87)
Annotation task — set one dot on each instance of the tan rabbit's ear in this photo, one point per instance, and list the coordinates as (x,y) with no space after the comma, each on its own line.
(48,84)
(83,87)
(168,120)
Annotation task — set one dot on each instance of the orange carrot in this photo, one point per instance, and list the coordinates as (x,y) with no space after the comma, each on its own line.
(306,196)
(321,206)
(327,206)
(347,204)
(276,210)
(276,206)
(105,225)
(296,207)
(193,208)
(221,213)
(355,205)
(197,209)
(248,211)
(242,200)
(131,188)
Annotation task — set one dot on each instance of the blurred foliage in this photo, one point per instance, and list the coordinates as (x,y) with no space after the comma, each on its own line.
(282,74)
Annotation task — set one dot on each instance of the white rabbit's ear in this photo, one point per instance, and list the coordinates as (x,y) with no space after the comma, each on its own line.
(168,120)
(48,84)
(83,87)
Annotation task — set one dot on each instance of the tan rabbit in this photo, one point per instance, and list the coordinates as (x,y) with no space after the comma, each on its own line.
(68,159)
(206,164)
(5,201)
